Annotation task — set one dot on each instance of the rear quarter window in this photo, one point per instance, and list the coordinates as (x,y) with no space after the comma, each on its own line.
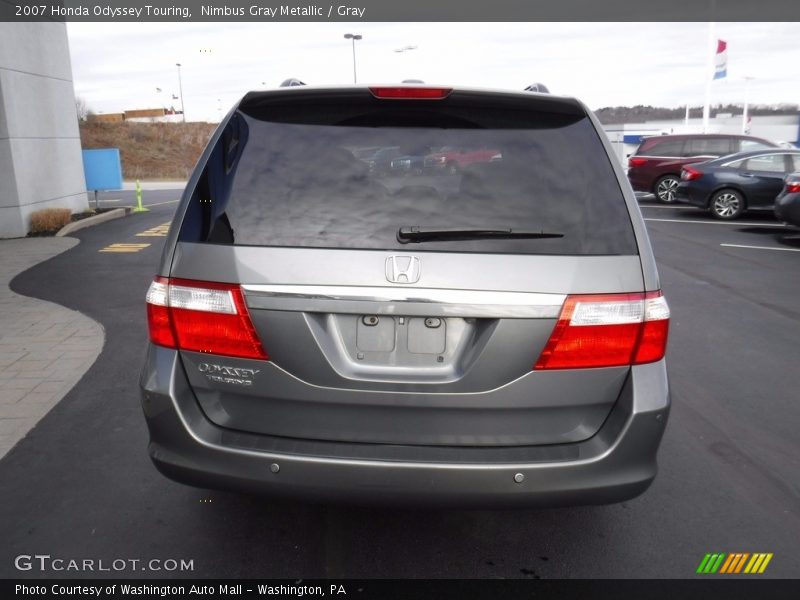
(318,184)
(708,147)
(748,145)
(656,147)
(769,163)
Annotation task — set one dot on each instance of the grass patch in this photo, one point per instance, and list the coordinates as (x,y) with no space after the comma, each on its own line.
(49,220)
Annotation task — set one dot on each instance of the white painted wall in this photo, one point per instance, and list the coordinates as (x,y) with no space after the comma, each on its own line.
(40,149)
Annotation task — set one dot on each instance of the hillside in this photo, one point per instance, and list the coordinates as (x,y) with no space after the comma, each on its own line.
(150,150)
(612,115)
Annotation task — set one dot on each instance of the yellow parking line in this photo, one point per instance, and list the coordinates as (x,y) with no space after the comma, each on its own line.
(158,231)
(124,248)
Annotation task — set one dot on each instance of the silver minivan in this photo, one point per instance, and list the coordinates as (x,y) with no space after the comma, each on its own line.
(488,336)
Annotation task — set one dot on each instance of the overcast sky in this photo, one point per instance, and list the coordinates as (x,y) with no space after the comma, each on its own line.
(118,66)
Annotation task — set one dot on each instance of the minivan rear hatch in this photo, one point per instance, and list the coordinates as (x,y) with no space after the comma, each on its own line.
(404,303)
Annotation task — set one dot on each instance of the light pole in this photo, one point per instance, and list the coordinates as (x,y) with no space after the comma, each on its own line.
(354,37)
(180,91)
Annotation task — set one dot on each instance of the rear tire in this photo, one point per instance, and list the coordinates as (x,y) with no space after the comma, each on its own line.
(727,205)
(665,189)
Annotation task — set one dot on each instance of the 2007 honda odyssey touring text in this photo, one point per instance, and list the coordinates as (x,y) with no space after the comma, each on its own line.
(492,335)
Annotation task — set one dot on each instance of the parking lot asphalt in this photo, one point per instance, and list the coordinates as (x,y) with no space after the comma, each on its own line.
(80,485)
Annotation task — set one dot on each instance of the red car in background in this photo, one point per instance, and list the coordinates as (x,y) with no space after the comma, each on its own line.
(453,160)
(656,165)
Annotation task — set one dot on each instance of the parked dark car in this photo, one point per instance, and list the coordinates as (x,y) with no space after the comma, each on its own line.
(730,185)
(381,160)
(410,163)
(787,204)
(656,165)
(314,335)
(364,153)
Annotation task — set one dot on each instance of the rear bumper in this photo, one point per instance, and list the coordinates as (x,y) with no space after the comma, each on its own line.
(687,194)
(640,182)
(617,463)
(787,209)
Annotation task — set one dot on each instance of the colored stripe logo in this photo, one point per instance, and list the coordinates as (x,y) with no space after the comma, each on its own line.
(734,563)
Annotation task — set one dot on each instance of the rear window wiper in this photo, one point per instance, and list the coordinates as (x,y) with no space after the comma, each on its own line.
(407,235)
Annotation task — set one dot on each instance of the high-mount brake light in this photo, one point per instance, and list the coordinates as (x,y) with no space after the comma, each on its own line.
(412,93)
(608,330)
(202,316)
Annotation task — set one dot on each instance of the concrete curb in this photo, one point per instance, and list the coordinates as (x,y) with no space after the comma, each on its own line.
(95,220)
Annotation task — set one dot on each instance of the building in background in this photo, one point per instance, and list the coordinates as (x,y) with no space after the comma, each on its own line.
(40,146)
(140,115)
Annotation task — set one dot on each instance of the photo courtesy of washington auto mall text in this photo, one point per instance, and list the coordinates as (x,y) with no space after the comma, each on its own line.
(116,590)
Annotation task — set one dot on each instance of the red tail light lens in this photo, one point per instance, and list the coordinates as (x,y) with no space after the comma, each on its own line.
(609,330)
(634,161)
(689,174)
(417,93)
(793,188)
(202,316)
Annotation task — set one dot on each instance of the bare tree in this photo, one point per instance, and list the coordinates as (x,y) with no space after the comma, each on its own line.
(82,108)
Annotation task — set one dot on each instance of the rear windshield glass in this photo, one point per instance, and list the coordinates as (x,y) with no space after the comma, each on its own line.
(355,182)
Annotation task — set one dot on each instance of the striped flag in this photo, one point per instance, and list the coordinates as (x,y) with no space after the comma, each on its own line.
(721,60)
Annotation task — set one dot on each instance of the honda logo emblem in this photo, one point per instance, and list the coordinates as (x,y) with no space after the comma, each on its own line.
(402,269)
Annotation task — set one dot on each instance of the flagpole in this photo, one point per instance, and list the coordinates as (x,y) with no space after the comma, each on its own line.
(711,51)
(746,98)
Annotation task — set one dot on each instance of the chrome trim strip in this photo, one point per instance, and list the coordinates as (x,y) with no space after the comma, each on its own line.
(404,301)
(408,294)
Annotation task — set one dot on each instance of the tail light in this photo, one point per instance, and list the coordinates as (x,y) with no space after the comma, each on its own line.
(635,161)
(201,316)
(690,174)
(792,187)
(416,93)
(609,330)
